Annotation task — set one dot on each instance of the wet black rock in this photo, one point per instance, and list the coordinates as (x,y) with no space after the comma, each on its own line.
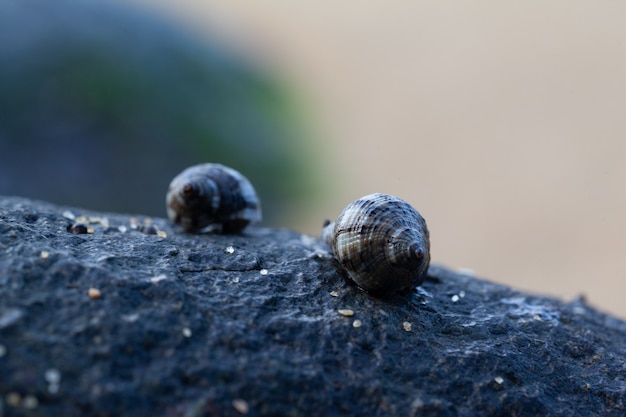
(135,318)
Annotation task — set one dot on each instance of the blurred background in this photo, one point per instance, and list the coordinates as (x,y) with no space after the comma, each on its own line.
(502,123)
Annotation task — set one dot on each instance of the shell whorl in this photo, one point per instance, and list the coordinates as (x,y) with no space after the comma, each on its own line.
(382,242)
(212,194)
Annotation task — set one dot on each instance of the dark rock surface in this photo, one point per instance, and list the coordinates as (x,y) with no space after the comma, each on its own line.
(128,321)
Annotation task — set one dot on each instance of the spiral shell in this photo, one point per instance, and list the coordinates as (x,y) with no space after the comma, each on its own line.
(212,195)
(382,242)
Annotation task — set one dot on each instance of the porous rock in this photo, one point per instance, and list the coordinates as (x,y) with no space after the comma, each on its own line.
(128,316)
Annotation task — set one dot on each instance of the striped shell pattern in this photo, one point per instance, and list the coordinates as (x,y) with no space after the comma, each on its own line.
(212,195)
(382,242)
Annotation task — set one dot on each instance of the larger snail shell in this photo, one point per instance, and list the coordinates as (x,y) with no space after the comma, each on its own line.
(382,242)
(212,194)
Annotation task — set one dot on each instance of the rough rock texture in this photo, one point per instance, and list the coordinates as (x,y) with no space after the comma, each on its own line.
(125,320)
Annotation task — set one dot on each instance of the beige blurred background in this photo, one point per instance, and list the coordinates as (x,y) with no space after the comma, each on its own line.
(503,123)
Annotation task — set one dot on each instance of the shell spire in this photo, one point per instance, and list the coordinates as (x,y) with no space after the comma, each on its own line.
(382,242)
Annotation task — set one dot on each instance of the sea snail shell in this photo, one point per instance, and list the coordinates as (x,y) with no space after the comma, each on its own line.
(212,194)
(382,242)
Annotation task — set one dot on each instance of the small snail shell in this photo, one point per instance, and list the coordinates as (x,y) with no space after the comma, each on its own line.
(212,194)
(382,242)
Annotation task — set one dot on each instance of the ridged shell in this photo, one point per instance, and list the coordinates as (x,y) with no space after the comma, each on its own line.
(382,242)
(212,194)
